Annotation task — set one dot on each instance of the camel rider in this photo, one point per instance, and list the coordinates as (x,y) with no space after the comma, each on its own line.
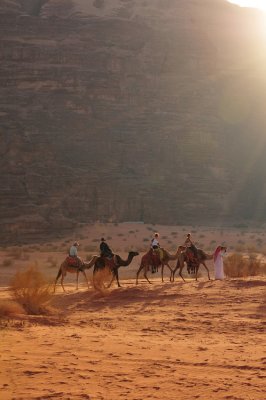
(73,253)
(105,250)
(189,244)
(155,245)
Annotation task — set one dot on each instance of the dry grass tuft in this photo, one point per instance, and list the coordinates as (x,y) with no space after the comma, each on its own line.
(238,265)
(9,308)
(101,279)
(7,262)
(32,291)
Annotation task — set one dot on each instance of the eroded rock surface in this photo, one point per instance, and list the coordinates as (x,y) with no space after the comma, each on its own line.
(130,110)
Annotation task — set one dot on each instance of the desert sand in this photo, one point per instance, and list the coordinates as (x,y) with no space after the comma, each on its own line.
(192,340)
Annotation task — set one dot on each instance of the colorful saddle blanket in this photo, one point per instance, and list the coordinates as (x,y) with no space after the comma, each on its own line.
(72,261)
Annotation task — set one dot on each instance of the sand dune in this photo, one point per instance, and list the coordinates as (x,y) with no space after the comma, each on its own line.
(194,340)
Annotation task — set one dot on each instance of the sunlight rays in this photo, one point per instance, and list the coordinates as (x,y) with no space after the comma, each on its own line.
(260,4)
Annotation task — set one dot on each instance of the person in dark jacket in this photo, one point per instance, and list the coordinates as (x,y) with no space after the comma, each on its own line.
(105,250)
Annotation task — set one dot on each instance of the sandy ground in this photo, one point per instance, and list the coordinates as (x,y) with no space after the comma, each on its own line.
(192,340)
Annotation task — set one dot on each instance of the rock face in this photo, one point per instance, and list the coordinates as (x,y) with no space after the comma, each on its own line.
(130,110)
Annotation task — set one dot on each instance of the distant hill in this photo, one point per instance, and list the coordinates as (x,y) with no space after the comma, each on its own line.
(140,110)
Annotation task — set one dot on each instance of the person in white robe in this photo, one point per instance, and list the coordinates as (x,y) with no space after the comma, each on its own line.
(218,262)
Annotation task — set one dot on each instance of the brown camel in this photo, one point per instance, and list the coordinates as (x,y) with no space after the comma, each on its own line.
(113,265)
(187,256)
(65,267)
(147,261)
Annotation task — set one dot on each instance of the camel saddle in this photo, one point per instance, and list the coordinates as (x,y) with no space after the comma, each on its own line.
(72,261)
(110,262)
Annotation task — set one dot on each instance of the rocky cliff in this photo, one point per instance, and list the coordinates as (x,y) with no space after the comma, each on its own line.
(130,110)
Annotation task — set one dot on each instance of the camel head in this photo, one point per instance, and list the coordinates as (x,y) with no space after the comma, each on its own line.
(181,248)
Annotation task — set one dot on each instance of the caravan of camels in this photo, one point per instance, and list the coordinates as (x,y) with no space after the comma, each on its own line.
(156,257)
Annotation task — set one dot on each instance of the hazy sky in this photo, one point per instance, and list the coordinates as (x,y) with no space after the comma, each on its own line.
(261,4)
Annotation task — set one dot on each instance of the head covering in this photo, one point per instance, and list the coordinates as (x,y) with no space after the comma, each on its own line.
(76,244)
(217,251)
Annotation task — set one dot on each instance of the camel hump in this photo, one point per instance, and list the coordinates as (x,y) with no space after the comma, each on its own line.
(165,252)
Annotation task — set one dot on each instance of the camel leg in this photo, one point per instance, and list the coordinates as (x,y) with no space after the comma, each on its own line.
(77,281)
(181,269)
(145,276)
(180,274)
(172,277)
(116,276)
(203,263)
(58,276)
(62,280)
(86,279)
(176,268)
(140,268)
(171,271)
(162,271)
(113,277)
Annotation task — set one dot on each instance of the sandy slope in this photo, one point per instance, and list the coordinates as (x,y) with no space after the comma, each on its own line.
(191,340)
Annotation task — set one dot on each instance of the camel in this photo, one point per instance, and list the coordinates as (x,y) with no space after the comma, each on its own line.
(65,267)
(148,260)
(114,264)
(185,256)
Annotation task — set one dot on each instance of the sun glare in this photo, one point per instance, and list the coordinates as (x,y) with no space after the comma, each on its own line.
(260,4)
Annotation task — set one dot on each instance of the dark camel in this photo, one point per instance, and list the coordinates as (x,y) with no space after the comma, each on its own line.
(148,259)
(187,256)
(100,263)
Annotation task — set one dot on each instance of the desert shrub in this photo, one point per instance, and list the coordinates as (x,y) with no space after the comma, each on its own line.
(7,262)
(101,279)
(252,248)
(52,261)
(237,265)
(9,308)
(35,247)
(31,290)
(16,253)
(120,234)
(19,254)
(239,248)
(146,240)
